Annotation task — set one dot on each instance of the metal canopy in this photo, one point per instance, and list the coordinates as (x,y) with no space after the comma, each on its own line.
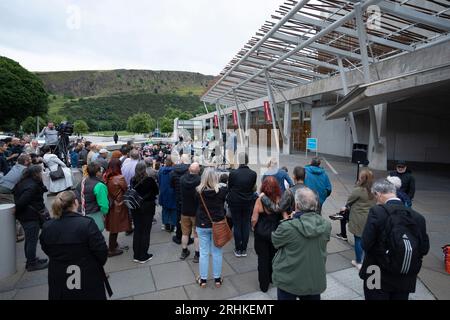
(304,41)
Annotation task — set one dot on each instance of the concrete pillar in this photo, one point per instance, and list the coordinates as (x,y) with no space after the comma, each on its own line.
(225,123)
(287,128)
(8,265)
(378,149)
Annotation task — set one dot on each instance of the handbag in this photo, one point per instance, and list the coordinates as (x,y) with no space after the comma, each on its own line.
(221,230)
(266,225)
(58,174)
(132,199)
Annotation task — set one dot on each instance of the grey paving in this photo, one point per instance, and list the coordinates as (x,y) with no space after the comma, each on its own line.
(32,293)
(131,282)
(174,274)
(242,265)
(336,262)
(227,291)
(170,294)
(166,277)
(245,282)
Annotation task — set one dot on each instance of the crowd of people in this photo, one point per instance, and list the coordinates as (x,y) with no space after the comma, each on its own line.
(290,233)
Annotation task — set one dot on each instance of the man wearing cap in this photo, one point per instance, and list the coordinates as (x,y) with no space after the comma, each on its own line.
(102,159)
(405,175)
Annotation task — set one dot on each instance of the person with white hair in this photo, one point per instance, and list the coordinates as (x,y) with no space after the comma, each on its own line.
(299,265)
(397,182)
(394,241)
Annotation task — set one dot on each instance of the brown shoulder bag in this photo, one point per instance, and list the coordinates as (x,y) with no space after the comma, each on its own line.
(221,230)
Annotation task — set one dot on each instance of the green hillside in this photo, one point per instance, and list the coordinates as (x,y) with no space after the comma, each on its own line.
(105,99)
(76,84)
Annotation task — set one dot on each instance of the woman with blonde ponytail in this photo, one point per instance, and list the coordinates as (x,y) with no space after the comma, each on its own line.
(76,249)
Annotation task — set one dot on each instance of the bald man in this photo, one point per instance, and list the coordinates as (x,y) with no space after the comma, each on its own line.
(189,205)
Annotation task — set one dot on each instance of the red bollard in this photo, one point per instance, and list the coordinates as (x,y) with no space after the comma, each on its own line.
(446,250)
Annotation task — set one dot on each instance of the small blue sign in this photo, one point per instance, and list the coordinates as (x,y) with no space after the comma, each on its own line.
(311,144)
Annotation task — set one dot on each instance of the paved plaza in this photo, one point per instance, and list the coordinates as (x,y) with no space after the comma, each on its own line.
(167,277)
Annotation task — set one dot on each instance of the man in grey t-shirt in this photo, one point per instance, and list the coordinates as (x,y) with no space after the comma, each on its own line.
(51,134)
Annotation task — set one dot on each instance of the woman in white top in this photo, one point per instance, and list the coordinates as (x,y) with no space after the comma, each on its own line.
(52,162)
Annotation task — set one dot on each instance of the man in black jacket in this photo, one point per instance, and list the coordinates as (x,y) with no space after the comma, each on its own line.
(408,180)
(393,286)
(241,199)
(189,204)
(175,176)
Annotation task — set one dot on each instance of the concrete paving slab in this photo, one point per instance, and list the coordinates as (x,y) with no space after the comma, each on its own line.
(422,292)
(226,268)
(335,245)
(437,283)
(164,253)
(336,262)
(33,293)
(242,265)
(227,291)
(170,275)
(8,295)
(10,283)
(131,283)
(122,262)
(255,296)
(32,279)
(168,294)
(349,277)
(336,290)
(245,282)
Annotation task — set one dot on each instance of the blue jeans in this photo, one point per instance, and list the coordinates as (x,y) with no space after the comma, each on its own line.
(283,295)
(207,246)
(359,253)
(169,216)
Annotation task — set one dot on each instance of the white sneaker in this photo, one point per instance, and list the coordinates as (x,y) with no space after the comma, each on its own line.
(356,265)
(143,261)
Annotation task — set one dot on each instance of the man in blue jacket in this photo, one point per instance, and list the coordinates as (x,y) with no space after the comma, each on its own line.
(318,181)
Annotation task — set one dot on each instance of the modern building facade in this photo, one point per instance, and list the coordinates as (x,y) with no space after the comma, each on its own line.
(344,72)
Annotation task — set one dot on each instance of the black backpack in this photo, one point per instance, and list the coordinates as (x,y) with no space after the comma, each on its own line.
(402,241)
(132,198)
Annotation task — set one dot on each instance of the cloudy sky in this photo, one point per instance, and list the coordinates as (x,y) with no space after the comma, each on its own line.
(189,35)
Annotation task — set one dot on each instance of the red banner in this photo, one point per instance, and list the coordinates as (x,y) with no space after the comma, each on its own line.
(216,121)
(235,118)
(267,112)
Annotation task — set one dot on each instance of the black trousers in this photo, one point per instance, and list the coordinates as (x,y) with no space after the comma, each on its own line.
(344,223)
(178,233)
(265,251)
(141,236)
(31,229)
(376,294)
(283,295)
(241,216)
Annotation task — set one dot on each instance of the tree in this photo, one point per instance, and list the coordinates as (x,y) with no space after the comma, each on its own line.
(29,124)
(141,123)
(166,124)
(80,127)
(22,93)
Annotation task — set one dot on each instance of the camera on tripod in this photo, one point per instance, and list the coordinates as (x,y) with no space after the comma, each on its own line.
(65,128)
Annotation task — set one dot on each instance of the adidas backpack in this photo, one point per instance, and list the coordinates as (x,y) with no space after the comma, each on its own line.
(401,242)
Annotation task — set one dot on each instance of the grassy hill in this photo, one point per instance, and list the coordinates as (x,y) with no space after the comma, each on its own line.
(105,99)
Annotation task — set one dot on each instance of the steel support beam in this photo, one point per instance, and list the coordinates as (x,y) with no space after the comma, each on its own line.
(311,40)
(351,116)
(238,118)
(353,33)
(280,23)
